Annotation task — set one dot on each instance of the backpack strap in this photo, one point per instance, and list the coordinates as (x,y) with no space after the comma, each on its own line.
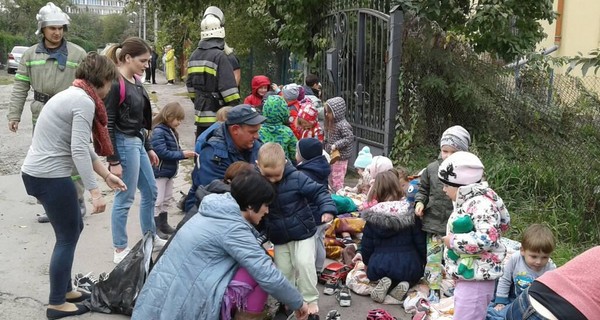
(121,90)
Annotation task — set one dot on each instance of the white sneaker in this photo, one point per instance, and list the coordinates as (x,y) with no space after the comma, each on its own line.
(119,256)
(158,243)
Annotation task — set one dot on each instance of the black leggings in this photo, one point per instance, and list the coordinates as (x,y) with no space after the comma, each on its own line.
(59,198)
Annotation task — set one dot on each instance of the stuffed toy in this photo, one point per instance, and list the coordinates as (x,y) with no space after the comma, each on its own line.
(463,224)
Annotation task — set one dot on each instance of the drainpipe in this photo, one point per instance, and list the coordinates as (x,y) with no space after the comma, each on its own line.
(559,20)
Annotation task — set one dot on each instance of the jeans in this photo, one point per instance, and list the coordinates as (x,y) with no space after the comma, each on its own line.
(521,309)
(59,198)
(137,174)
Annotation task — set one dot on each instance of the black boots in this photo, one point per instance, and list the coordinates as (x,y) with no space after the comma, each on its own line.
(163,229)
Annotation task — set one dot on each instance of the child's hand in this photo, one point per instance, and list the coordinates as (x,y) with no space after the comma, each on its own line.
(499,307)
(189,153)
(333,147)
(448,240)
(357,258)
(326,217)
(419,209)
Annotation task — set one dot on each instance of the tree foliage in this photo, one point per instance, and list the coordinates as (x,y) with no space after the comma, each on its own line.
(17,17)
(505,28)
(591,61)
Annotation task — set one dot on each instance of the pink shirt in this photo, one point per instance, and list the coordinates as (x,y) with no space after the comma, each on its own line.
(578,282)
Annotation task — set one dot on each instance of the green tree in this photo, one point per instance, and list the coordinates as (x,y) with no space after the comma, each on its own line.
(114,28)
(505,28)
(86,26)
(18,16)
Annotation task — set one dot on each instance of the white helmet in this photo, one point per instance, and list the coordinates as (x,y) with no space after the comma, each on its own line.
(210,27)
(51,15)
(215,11)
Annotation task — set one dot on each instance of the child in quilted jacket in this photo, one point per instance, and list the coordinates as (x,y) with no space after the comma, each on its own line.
(338,137)
(473,254)
(165,142)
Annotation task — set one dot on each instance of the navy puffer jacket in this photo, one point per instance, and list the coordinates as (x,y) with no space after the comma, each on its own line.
(290,217)
(166,146)
(318,169)
(393,244)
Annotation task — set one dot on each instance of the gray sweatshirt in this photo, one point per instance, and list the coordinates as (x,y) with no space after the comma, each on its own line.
(61,139)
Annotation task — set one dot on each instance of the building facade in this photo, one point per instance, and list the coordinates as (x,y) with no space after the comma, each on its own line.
(102,7)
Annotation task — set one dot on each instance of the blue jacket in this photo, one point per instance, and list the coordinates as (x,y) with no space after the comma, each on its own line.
(191,277)
(318,169)
(167,149)
(393,244)
(218,152)
(290,217)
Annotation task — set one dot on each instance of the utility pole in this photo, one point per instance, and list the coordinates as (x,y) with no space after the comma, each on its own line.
(144,18)
(155,25)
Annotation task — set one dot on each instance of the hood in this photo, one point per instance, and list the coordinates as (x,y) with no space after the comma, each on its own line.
(391,216)
(276,111)
(289,169)
(259,81)
(216,186)
(221,206)
(338,107)
(483,190)
(317,166)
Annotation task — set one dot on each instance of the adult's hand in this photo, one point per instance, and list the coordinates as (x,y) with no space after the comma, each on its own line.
(13,125)
(97,201)
(115,183)
(117,170)
(302,313)
(153,158)
(499,307)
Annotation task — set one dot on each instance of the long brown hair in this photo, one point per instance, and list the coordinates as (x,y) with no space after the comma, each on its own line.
(132,46)
(386,188)
(170,112)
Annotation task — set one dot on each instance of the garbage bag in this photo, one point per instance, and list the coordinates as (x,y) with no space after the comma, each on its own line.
(118,293)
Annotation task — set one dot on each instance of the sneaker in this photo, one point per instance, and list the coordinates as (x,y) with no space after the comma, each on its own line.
(333,315)
(434,296)
(343,297)
(158,243)
(84,283)
(119,256)
(331,286)
(347,241)
(42,218)
(399,291)
(380,291)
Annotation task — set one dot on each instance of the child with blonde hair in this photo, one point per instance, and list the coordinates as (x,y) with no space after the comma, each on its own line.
(338,137)
(165,142)
(473,252)
(290,224)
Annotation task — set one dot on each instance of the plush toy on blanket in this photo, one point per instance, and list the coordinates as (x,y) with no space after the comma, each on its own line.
(463,224)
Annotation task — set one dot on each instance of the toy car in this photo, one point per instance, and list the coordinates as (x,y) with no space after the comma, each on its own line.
(334,271)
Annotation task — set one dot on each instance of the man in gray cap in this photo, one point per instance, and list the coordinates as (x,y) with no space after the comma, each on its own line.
(235,140)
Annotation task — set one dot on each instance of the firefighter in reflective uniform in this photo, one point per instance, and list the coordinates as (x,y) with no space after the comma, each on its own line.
(48,67)
(210,83)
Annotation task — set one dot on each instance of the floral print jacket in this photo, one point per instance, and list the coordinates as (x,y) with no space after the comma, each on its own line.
(482,245)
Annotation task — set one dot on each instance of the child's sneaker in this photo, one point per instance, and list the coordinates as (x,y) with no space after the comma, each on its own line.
(158,243)
(85,283)
(331,286)
(380,291)
(347,241)
(343,297)
(333,315)
(399,291)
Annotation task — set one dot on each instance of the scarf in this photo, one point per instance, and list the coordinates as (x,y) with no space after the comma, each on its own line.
(102,144)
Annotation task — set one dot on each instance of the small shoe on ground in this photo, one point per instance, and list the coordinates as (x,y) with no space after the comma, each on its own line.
(343,297)
(119,256)
(158,243)
(399,291)
(58,314)
(380,291)
(333,315)
(42,218)
(331,286)
(84,283)
(347,241)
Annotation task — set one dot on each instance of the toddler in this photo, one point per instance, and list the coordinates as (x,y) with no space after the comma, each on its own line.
(290,224)
(362,162)
(308,122)
(290,93)
(338,137)
(434,208)
(165,142)
(260,85)
(275,128)
(473,253)
(524,266)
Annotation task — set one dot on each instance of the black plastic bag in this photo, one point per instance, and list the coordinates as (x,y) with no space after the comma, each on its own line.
(118,293)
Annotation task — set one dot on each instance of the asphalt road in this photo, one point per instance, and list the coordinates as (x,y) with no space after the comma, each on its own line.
(26,245)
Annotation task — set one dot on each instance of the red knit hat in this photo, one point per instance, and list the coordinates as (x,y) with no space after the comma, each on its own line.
(307,111)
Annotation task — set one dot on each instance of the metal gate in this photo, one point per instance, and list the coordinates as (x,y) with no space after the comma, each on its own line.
(362,65)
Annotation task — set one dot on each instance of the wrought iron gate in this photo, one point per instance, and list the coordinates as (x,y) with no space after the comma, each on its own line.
(362,65)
